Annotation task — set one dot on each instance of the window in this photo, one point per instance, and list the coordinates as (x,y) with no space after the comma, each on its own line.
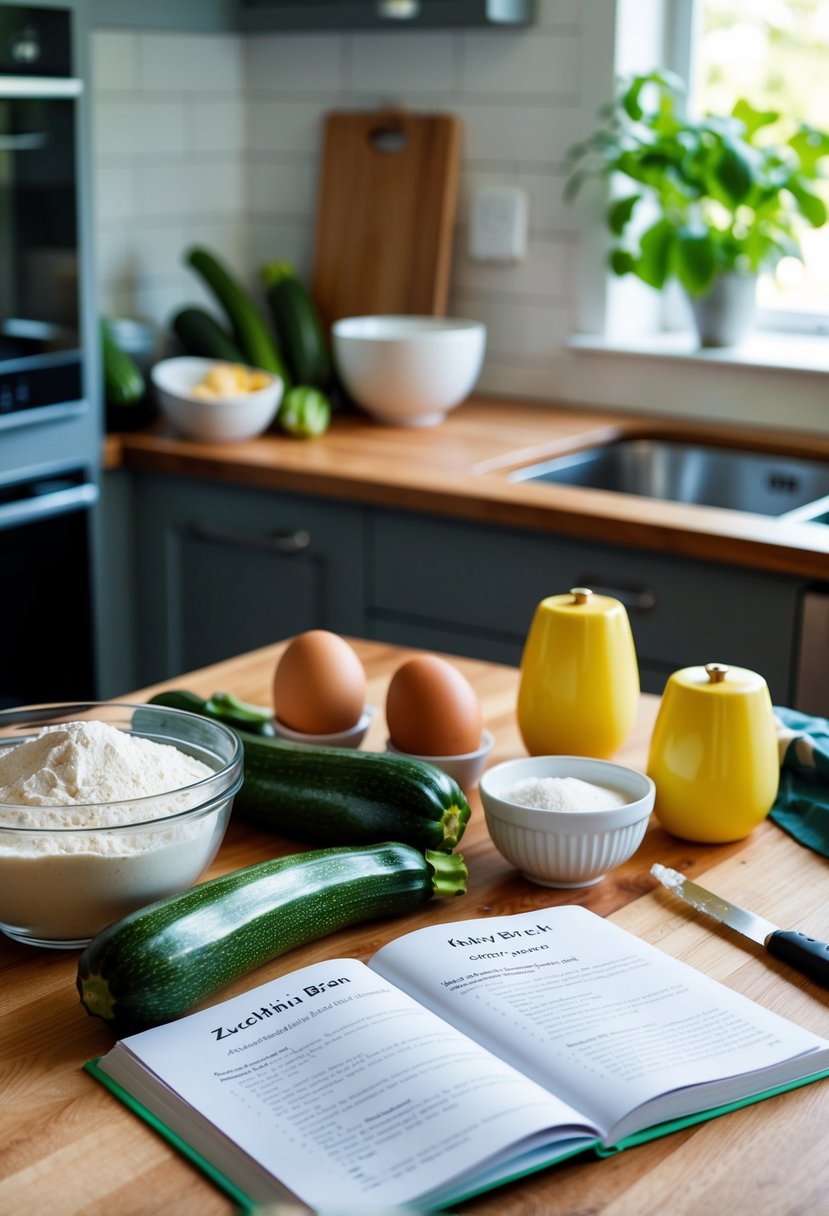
(775,53)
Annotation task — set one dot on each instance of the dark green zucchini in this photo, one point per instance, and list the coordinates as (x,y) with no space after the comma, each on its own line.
(157,963)
(298,328)
(124,382)
(250,330)
(335,795)
(201,334)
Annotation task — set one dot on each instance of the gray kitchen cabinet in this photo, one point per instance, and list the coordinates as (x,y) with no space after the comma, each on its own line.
(222,570)
(471,589)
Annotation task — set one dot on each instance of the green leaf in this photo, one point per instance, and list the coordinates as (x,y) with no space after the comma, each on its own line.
(753,119)
(621,261)
(734,173)
(653,264)
(810,146)
(811,205)
(694,260)
(619,213)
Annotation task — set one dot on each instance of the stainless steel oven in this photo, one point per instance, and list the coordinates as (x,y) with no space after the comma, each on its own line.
(40,311)
(50,419)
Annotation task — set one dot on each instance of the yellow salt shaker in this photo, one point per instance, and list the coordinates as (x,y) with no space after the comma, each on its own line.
(713,753)
(579,687)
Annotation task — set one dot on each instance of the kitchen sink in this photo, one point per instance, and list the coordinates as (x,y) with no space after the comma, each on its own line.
(705,474)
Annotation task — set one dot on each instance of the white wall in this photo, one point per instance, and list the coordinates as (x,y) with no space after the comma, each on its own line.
(215,138)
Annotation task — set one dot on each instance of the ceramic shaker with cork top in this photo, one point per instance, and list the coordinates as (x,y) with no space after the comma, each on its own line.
(713,753)
(579,687)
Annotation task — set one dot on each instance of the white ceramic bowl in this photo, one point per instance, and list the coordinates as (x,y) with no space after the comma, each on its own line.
(219,419)
(343,738)
(60,884)
(566,848)
(466,768)
(408,371)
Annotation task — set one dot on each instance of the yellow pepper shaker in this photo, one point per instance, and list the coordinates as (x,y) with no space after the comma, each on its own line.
(579,688)
(713,753)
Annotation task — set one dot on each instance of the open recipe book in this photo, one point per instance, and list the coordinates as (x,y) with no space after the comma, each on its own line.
(464,1055)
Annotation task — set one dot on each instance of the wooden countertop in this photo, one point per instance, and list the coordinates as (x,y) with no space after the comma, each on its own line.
(460,468)
(67,1147)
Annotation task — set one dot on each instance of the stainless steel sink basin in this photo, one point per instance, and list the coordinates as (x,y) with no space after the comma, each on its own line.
(693,473)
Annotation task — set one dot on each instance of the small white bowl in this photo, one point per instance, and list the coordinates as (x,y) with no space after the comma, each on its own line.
(408,371)
(343,738)
(214,420)
(566,848)
(466,768)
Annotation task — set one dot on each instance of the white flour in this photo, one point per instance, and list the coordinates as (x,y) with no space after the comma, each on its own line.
(66,880)
(564,794)
(84,763)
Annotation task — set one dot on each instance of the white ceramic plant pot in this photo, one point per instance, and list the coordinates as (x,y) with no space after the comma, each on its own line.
(724,316)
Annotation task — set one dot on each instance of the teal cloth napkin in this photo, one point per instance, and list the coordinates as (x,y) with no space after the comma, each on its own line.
(802,804)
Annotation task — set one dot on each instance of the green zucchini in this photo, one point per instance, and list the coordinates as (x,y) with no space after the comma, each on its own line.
(305,412)
(124,382)
(341,796)
(157,963)
(298,327)
(201,334)
(249,327)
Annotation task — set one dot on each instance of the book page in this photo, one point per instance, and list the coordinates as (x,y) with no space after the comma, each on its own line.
(342,1087)
(599,1017)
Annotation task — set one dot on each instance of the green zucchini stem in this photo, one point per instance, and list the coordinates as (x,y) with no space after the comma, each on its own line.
(454,820)
(449,873)
(229,702)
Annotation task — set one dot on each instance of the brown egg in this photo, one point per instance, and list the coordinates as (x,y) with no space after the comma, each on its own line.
(319,685)
(432,710)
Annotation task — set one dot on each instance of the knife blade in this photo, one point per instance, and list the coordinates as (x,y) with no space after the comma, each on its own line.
(800,951)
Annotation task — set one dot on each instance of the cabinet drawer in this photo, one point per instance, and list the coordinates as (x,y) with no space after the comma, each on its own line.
(455,576)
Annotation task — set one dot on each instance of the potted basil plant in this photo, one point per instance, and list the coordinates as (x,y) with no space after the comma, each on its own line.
(710,203)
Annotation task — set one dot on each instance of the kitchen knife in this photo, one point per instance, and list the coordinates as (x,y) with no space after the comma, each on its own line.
(804,953)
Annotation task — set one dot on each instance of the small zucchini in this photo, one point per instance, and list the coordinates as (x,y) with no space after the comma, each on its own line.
(201,334)
(157,963)
(124,382)
(305,412)
(249,328)
(340,796)
(297,325)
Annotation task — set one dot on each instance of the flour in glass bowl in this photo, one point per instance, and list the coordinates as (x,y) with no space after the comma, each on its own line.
(564,794)
(84,831)
(85,765)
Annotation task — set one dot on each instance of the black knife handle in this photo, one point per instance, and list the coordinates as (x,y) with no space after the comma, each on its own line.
(805,953)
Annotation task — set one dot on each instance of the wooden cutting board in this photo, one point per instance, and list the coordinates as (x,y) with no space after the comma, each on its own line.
(385,214)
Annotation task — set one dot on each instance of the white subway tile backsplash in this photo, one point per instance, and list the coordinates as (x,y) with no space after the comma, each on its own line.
(114,61)
(285,127)
(190,62)
(216,125)
(137,128)
(528,133)
(399,67)
(521,63)
(283,189)
(293,63)
(114,192)
(194,188)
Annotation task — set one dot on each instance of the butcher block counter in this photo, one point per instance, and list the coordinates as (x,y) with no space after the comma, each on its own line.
(460,469)
(68,1147)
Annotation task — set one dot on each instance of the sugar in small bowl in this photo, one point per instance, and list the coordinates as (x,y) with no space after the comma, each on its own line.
(565,821)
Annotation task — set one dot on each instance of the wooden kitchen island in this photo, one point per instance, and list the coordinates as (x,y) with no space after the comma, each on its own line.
(67,1146)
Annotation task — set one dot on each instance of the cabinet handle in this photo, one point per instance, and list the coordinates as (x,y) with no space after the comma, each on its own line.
(635,599)
(286,543)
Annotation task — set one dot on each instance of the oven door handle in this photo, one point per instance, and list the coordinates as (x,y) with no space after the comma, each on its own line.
(37,87)
(43,506)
